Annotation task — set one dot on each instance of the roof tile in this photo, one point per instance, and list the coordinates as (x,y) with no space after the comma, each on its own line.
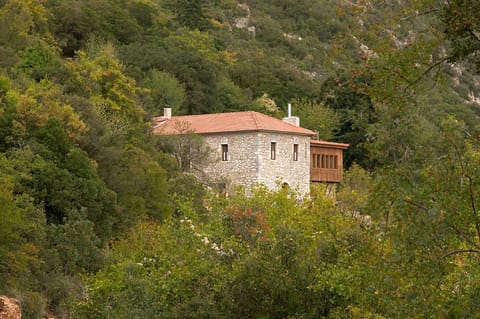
(224,123)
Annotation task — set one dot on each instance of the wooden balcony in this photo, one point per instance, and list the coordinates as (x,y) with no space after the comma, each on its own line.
(326,161)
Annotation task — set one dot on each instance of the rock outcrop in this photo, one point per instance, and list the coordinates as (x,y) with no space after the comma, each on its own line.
(9,308)
(243,22)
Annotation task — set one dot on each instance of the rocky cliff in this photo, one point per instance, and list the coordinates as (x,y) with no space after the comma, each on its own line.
(9,308)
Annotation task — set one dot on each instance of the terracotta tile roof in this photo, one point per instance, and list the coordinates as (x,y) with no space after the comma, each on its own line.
(329,144)
(224,123)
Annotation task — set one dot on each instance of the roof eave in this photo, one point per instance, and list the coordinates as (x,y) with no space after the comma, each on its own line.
(258,130)
(336,145)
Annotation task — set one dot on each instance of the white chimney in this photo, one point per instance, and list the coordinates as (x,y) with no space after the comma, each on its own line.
(295,120)
(167,112)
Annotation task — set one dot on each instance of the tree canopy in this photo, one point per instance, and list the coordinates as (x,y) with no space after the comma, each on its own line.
(100,219)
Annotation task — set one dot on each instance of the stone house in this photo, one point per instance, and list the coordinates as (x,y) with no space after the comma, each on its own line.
(251,148)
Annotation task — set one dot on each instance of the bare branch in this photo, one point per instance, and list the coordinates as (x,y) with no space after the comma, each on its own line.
(418,205)
(472,203)
(461,234)
(470,189)
(428,70)
(461,251)
(476,37)
(404,78)
(420,14)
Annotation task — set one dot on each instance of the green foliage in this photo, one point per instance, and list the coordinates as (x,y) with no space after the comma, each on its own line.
(79,170)
(192,59)
(99,76)
(355,190)
(355,111)
(189,13)
(57,195)
(20,23)
(188,148)
(317,117)
(22,230)
(461,23)
(74,23)
(230,97)
(140,183)
(38,62)
(75,247)
(430,221)
(165,91)
(216,264)
(266,105)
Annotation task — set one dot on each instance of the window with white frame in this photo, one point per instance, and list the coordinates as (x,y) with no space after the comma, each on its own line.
(273,150)
(295,152)
(224,152)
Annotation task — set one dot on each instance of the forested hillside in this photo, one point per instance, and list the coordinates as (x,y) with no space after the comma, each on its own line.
(98,219)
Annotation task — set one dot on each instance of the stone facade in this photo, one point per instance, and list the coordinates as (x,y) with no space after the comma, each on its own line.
(249,148)
(249,159)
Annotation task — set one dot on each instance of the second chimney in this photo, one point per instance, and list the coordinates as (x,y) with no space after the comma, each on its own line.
(295,120)
(167,112)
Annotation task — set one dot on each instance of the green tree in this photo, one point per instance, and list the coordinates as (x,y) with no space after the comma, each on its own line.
(38,61)
(117,139)
(189,149)
(20,24)
(193,59)
(259,256)
(22,228)
(317,117)
(355,191)
(189,13)
(98,76)
(75,23)
(355,111)
(165,91)
(461,26)
(229,97)
(140,183)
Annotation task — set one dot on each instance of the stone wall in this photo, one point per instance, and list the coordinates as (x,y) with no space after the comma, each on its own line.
(249,160)
(284,169)
(241,168)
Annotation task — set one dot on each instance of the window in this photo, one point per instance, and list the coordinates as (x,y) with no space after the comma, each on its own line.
(295,152)
(224,152)
(322,160)
(273,150)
